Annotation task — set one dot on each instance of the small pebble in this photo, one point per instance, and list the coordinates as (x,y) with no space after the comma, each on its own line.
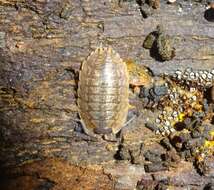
(172,130)
(192,75)
(175,114)
(194,98)
(167,123)
(192,89)
(157,120)
(204,76)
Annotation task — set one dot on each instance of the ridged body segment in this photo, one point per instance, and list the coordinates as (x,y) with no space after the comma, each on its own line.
(103,91)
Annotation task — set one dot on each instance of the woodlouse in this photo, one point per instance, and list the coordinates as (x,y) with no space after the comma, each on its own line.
(103,91)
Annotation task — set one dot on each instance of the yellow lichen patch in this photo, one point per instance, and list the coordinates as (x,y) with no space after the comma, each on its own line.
(138,74)
(181,117)
(209,144)
(212,133)
(207,148)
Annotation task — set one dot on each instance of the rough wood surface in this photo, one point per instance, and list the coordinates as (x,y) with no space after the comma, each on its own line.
(41,42)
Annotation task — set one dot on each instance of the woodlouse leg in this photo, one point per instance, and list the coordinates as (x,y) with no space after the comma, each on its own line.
(130,120)
(89,133)
(127,126)
(86,131)
(114,138)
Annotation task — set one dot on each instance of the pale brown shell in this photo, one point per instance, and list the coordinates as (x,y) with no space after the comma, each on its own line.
(103,91)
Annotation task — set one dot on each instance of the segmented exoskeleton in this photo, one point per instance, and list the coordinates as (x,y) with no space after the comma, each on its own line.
(103,91)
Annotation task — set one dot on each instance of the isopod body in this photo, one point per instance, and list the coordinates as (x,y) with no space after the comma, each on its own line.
(103,91)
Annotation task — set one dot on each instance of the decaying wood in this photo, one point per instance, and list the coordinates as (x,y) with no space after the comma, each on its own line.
(42,43)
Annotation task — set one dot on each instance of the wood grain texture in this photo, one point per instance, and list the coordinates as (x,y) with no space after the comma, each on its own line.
(42,41)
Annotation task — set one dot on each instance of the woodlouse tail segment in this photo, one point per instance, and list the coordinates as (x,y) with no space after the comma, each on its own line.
(99,130)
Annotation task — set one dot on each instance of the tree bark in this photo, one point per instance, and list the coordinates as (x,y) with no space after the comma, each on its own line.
(43,42)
